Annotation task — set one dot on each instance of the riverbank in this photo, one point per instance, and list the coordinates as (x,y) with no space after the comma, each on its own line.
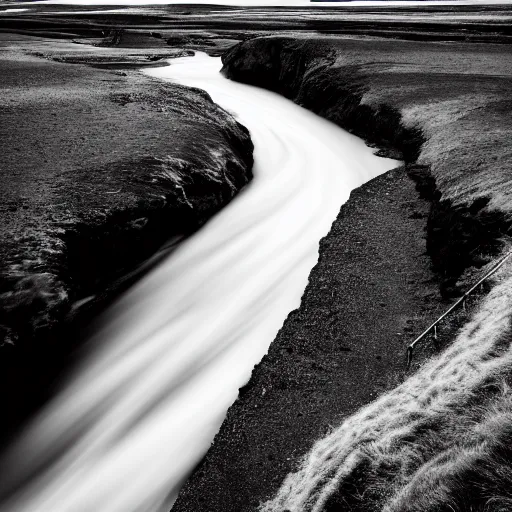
(99,169)
(169,357)
(443,106)
(446,109)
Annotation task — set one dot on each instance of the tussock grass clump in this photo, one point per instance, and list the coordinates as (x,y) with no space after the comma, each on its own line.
(440,441)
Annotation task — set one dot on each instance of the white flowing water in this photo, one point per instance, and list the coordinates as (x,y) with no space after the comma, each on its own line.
(155,381)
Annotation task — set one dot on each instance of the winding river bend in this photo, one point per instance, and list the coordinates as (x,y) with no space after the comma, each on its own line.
(157,378)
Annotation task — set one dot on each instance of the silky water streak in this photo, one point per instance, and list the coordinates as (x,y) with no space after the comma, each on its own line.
(156,379)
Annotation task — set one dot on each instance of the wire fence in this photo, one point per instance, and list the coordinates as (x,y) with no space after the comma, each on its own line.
(460,302)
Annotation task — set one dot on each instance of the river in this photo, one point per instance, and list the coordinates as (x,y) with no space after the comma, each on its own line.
(156,379)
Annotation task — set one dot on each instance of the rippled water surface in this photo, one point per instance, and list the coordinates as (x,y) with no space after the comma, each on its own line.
(159,375)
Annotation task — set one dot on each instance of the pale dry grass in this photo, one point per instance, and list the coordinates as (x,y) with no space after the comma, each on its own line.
(440,441)
(469,157)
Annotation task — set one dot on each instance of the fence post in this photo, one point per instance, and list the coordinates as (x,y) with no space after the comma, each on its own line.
(462,301)
(409,356)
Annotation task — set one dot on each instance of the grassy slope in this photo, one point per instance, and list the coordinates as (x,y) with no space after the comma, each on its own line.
(440,440)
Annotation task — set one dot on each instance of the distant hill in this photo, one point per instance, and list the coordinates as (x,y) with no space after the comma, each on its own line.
(344,1)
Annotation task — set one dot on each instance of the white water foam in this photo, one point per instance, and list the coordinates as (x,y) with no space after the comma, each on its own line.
(156,380)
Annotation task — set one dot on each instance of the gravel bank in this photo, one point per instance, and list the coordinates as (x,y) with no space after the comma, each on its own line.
(372,287)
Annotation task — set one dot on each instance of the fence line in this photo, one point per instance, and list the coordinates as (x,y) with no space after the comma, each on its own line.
(462,300)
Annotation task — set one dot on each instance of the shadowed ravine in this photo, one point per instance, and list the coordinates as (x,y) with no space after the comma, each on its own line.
(156,379)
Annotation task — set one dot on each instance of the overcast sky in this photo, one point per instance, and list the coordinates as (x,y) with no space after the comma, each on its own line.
(299,3)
